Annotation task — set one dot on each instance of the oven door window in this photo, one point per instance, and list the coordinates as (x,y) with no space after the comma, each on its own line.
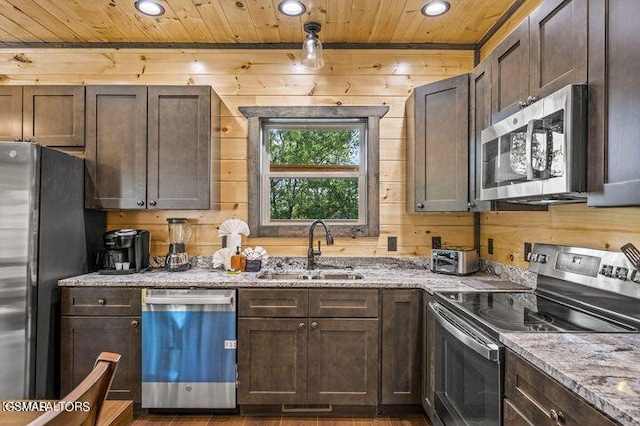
(468,387)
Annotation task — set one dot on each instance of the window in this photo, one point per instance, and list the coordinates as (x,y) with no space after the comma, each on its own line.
(308,163)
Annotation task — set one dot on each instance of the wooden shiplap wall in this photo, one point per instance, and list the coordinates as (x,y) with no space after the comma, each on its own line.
(263,78)
(570,224)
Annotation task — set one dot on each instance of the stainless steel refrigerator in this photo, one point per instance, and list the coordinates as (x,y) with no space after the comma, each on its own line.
(45,235)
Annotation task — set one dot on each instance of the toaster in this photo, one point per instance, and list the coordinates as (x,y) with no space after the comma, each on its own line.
(458,261)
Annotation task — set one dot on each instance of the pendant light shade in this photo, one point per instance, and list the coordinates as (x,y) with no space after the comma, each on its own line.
(312,56)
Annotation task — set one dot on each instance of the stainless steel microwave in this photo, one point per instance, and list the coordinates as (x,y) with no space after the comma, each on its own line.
(539,154)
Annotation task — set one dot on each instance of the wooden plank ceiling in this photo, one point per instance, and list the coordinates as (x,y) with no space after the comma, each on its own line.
(244,21)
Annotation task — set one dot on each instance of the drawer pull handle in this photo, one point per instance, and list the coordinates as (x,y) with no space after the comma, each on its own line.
(301,326)
(556,416)
(102,302)
(314,325)
(135,323)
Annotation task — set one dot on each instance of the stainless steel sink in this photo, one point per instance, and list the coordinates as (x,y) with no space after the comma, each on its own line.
(282,276)
(300,276)
(337,276)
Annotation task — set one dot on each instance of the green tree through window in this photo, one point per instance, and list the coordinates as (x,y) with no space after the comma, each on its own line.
(309,198)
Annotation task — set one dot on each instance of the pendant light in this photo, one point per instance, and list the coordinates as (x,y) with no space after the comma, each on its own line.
(312,47)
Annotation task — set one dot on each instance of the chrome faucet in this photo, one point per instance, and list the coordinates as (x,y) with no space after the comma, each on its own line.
(311,254)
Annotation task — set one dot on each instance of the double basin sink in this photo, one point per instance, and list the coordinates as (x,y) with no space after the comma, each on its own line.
(294,276)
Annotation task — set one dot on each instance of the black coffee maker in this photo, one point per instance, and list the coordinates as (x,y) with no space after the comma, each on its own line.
(126,251)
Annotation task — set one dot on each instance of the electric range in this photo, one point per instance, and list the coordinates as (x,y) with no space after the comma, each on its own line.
(577,290)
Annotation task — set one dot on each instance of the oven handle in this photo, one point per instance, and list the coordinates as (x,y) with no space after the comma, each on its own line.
(489,351)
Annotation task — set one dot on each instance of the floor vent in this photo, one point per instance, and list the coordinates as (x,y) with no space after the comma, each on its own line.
(306,408)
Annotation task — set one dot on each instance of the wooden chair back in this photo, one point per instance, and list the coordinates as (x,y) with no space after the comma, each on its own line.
(87,398)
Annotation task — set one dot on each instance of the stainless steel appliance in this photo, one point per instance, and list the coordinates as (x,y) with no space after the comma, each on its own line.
(189,348)
(539,154)
(45,235)
(458,261)
(128,247)
(177,259)
(578,290)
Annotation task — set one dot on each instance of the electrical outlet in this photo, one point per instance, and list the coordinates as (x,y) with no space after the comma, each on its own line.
(490,245)
(392,243)
(527,250)
(436,242)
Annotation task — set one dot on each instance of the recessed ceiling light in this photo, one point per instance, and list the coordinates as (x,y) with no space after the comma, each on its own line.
(435,8)
(292,7)
(149,7)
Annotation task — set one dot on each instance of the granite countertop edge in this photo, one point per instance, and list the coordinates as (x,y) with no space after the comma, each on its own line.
(372,278)
(601,368)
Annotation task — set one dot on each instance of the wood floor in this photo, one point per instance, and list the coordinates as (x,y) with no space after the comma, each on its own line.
(210,420)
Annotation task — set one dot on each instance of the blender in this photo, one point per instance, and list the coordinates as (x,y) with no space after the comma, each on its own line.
(177,259)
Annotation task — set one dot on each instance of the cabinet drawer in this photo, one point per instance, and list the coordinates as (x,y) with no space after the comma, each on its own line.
(291,303)
(101,301)
(340,303)
(536,396)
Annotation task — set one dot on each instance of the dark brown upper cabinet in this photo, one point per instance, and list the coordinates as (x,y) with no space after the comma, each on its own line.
(10,113)
(558,33)
(510,73)
(479,119)
(614,67)
(48,115)
(545,53)
(438,146)
(150,147)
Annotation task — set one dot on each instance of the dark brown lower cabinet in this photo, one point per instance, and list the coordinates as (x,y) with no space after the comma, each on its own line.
(84,338)
(272,360)
(401,347)
(101,319)
(287,355)
(534,398)
(343,361)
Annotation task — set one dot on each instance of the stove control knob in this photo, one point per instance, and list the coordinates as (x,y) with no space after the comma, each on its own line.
(621,273)
(529,256)
(636,277)
(607,270)
(542,258)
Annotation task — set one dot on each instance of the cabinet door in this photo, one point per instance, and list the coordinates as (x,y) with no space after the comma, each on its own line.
(10,113)
(343,361)
(558,46)
(116,151)
(401,346)
(272,361)
(614,90)
(54,115)
(510,73)
(179,147)
(479,119)
(82,340)
(440,153)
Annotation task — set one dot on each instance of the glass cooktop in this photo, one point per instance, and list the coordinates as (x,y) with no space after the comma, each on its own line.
(526,311)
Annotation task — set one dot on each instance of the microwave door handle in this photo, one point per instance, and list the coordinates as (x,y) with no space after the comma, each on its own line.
(529,149)
(488,351)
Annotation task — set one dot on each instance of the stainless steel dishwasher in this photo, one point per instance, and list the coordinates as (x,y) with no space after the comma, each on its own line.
(188,348)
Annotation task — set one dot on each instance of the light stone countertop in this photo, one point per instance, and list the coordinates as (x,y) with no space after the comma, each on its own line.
(373,278)
(603,368)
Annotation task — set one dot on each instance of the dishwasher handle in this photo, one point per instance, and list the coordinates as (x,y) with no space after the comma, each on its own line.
(178,300)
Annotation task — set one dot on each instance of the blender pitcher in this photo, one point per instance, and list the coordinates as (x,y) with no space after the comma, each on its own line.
(177,259)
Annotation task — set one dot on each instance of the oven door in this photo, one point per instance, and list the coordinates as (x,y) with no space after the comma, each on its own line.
(468,372)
